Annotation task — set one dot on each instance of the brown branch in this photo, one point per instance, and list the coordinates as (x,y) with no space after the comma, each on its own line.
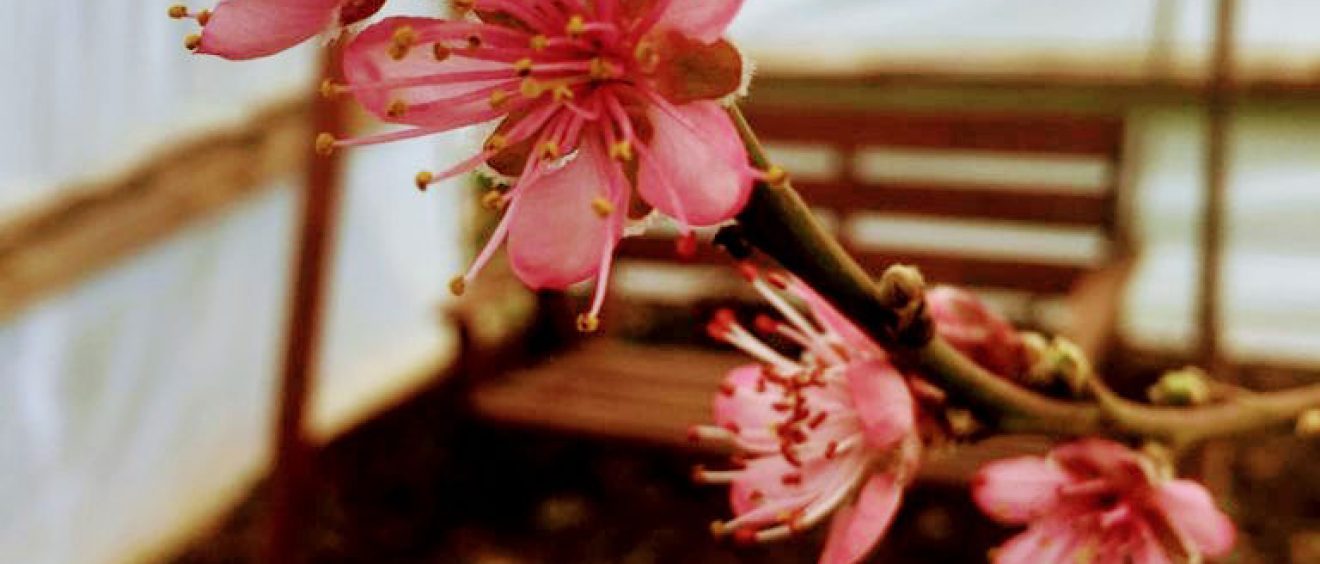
(778,223)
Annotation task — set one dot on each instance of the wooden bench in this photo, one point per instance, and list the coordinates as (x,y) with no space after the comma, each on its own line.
(624,385)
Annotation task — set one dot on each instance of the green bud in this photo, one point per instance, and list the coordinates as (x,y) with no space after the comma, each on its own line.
(1187,386)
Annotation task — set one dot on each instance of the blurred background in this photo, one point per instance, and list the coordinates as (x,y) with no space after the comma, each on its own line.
(1140,174)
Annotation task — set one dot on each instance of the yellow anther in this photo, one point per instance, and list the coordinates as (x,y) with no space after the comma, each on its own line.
(776,176)
(423,179)
(717,528)
(178,11)
(396,109)
(576,26)
(498,98)
(203,17)
(587,323)
(562,93)
(621,151)
(602,207)
(549,150)
(647,55)
(601,69)
(402,41)
(439,51)
(523,66)
(493,200)
(531,88)
(496,142)
(539,42)
(192,42)
(329,89)
(457,285)
(325,144)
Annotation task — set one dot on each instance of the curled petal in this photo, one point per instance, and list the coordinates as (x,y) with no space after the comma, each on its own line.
(1100,458)
(246,29)
(704,20)
(555,239)
(883,402)
(1192,511)
(1018,490)
(696,167)
(418,89)
(857,529)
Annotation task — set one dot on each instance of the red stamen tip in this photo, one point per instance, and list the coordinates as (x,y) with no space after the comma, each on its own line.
(748,271)
(745,536)
(686,246)
(777,280)
(765,324)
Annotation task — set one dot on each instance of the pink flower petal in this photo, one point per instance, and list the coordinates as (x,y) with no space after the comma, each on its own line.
(856,530)
(555,239)
(1046,542)
(762,482)
(747,406)
(246,29)
(704,20)
(882,400)
(1146,548)
(1018,490)
(1192,511)
(454,92)
(695,166)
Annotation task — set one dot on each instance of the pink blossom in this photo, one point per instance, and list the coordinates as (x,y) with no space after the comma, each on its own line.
(977,331)
(247,29)
(831,432)
(601,104)
(1098,501)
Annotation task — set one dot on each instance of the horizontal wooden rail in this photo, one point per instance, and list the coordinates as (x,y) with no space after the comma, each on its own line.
(1064,134)
(93,225)
(1044,205)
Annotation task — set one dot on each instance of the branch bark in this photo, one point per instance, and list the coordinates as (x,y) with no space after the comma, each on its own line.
(780,224)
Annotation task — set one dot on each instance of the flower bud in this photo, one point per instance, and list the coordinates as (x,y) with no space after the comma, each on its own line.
(977,331)
(1072,365)
(1180,387)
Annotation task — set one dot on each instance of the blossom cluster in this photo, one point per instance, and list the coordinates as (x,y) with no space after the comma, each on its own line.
(835,429)
(604,113)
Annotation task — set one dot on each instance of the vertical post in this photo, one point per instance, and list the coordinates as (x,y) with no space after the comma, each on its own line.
(1217,104)
(316,225)
(1216,457)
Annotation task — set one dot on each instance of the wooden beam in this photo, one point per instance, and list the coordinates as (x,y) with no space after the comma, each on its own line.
(1217,112)
(95,224)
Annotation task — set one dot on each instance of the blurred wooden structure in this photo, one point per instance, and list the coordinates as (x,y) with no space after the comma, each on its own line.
(611,387)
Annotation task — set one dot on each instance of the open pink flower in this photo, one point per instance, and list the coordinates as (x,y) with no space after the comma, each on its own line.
(1099,501)
(977,331)
(600,102)
(247,29)
(829,433)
